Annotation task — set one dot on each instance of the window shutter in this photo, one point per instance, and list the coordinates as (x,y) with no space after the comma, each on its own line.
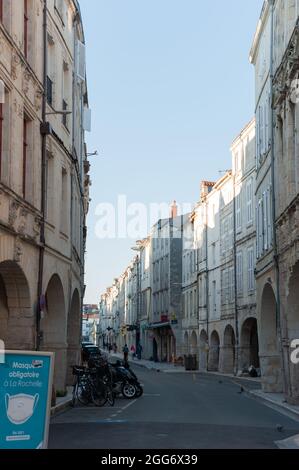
(269,217)
(265,219)
(81,61)
(238,212)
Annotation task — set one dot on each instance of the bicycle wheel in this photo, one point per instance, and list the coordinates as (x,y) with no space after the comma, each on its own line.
(74,396)
(99,394)
(110,396)
(83,394)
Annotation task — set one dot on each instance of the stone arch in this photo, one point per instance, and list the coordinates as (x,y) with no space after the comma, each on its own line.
(269,351)
(73,335)
(292,314)
(249,346)
(53,329)
(17,321)
(227,359)
(214,351)
(203,350)
(186,343)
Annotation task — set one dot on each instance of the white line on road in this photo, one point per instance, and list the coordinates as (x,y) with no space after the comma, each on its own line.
(129,404)
(151,395)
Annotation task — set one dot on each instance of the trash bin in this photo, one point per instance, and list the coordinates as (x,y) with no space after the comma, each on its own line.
(188,362)
(194,364)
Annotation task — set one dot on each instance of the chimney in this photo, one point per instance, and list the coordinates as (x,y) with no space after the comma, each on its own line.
(173,210)
(206,188)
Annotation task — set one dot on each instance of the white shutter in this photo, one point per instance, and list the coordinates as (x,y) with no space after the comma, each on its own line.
(87,119)
(249,201)
(266,120)
(240,273)
(265,219)
(238,212)
(257,130)
(269,217)
(261,126)
(250,263)
(81,60)
(260,226)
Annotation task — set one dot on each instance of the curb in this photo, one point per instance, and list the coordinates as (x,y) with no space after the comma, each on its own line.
(280,408)
(61,407)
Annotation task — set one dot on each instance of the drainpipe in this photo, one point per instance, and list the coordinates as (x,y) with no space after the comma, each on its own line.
(236,366)
(275,246)
(43,183)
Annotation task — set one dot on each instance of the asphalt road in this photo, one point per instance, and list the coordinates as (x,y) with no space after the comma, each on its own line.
(177,411)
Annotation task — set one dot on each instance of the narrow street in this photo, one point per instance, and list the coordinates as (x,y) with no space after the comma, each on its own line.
(183,411)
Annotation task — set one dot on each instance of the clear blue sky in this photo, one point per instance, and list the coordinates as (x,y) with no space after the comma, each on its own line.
(170,86)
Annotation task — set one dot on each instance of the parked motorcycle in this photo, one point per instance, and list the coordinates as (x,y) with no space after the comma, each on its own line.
(125,381)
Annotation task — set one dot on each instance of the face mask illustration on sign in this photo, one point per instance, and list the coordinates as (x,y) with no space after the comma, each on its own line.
(20,408)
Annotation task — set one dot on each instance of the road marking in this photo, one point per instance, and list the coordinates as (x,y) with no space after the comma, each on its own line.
(93,408)
(129,404)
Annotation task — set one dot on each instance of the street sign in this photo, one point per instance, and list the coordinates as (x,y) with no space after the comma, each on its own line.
(25,399)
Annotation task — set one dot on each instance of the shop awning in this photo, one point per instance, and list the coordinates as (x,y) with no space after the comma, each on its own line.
(158,325)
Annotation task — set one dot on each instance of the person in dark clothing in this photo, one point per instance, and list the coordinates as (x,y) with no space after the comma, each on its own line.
(139,351)
(126,352)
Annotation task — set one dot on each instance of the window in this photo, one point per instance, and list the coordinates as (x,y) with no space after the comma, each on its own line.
(249,200)
(225,286)
(26,28)
(231,284)
(214,296)
(50,188)
(264,223)
(64,202)
(262,128)
(238,212)
(250,267)
(239,273)
(265,220)
(214,253)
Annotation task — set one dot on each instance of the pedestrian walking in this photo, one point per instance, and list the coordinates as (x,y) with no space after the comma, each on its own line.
(126,352)
(139,351)
(133,351)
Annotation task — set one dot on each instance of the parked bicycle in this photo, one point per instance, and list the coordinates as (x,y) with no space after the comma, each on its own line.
(89,387)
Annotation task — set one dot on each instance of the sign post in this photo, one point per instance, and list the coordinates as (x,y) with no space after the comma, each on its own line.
(25,399)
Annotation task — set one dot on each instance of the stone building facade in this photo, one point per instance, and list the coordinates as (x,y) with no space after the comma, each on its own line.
(44,179)
(224,332)
(275,56)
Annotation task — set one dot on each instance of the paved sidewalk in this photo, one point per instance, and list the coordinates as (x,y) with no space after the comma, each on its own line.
(62,402)
(276,401)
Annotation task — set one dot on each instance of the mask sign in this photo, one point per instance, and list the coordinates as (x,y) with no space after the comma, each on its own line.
(25,399)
